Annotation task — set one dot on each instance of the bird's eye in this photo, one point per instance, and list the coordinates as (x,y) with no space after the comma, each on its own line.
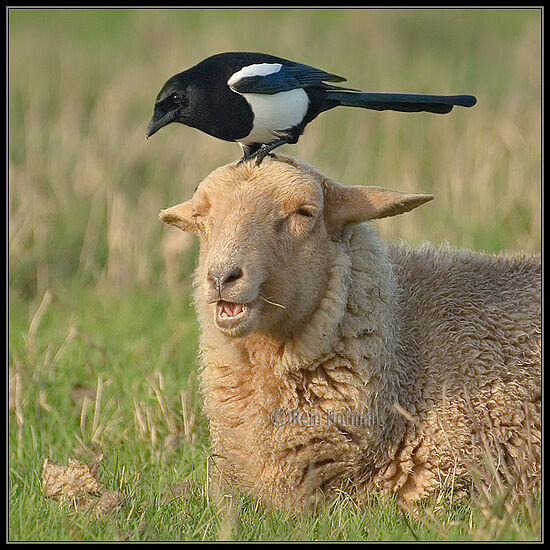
(176,97)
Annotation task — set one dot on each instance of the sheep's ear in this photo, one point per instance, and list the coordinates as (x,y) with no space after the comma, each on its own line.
(180,216)
(346,205)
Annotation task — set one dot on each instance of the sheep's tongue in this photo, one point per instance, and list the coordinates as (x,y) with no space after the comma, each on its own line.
(231,309)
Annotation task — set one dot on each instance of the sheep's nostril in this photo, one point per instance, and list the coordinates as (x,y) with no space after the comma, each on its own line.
(220,280)
(233,275)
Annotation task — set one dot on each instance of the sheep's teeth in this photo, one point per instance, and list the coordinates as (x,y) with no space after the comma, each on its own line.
(228,309)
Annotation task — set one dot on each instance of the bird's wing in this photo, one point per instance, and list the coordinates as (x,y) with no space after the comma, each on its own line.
(272,78)
(308,76)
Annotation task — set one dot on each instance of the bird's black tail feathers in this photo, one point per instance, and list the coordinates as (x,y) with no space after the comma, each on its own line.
(400,102)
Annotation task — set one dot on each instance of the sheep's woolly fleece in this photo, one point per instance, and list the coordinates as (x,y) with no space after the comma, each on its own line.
(439,350)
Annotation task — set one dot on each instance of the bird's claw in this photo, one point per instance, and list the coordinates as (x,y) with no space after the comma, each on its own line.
(262,152)
(258,156)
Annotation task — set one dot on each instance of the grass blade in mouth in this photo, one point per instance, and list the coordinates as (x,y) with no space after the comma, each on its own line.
(270,302)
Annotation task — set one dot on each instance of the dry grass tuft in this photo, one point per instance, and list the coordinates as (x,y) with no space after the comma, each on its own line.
(78,484)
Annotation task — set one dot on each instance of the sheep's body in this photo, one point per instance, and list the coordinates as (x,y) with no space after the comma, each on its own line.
(431,357)
(474,323)
(461,337)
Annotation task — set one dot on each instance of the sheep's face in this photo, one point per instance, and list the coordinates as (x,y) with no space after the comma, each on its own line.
(267,235)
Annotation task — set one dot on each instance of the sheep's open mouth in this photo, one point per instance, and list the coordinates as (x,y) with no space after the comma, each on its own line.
(229,315)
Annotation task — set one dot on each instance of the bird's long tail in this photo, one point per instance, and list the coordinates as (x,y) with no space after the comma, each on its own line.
(401,102)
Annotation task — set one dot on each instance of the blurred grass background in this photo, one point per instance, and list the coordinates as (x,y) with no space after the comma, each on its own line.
(99,288)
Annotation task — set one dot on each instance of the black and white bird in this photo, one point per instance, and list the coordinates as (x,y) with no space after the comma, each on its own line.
(262,101)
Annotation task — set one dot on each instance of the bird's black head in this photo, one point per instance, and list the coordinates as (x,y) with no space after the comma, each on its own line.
(171,105)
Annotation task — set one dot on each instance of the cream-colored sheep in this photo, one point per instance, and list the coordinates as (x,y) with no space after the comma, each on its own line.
(330,360)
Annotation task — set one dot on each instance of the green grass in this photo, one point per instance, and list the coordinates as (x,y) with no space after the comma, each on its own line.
(99,290)
(148,372)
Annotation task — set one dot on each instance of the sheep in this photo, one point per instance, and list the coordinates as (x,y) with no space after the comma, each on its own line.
(331,361)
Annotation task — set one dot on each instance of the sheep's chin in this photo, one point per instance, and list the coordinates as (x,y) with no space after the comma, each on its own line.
(235,319)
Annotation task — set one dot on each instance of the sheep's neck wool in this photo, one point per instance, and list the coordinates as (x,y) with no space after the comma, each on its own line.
(341,360)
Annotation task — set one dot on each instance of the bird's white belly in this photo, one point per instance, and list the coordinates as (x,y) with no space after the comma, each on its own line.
(275,113)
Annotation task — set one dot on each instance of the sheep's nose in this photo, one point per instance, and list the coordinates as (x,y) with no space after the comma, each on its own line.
(221,277)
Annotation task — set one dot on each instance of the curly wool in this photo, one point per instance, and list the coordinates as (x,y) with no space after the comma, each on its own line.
(432,344)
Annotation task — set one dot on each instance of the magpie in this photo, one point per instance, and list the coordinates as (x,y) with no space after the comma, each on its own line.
(262,101)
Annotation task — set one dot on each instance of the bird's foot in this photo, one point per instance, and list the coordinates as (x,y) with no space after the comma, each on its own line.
(260,153)
(258,156)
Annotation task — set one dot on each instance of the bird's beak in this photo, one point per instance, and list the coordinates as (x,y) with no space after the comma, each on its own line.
(157,122)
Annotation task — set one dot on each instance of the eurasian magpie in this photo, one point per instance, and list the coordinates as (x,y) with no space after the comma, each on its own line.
(262,101)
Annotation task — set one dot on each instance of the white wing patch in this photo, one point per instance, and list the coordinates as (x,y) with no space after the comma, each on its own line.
(258,69)
(275,113)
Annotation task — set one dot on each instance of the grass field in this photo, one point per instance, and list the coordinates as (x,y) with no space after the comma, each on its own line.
(102,334)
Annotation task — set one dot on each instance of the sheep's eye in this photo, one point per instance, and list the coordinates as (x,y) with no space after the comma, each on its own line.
(279,225)
(304,212)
